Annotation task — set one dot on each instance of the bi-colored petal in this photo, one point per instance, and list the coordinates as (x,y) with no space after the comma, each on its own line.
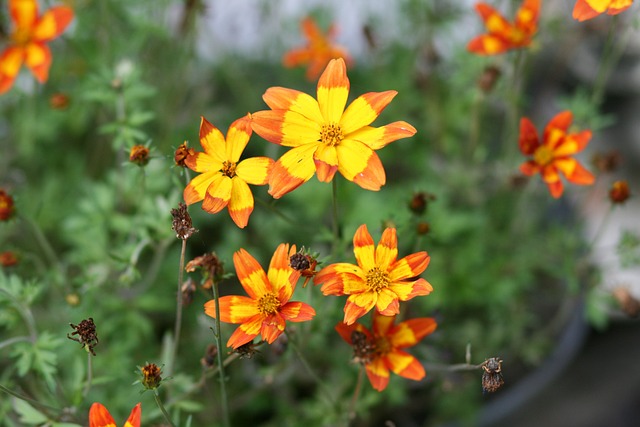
(255,170)
(272,327)
(134,417)
(408,290)
(212,141)
(528,137)
(334,277)
(246,332)
(237,138)
(488,44)
(410,332)
(527,16)
(293,169)
(364,110)
(282,277)
(10,63)
(196,190)
(581,176)
(387,249)
(285,127)
(387,302)
(358,305)
(233,308)
(251,275)
(405,365)
(363,248)
(530,168)
(381,325)
(218,194)
(378,374)
(99,416)
(493,20)
(582,11)
(280,98)
(360,164)
(295,311)
(204,162)
(555,188)
(325,159)
(560,121)
(377,138)
(24,13)
(52,23)
(410,266)
(572,144)
(345,331)
(38,60)
(333,91)
(240,202)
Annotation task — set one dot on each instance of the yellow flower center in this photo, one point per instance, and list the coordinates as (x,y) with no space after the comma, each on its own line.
(543,155)
(331,134)
(229,169)
(268,303)
(377,280)
(21,36)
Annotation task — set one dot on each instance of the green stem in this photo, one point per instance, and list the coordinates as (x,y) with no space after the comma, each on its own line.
(156,396)
(223,390)
(356,395)
(87,386)
(178,325)
(334,215)
(14,340)
(27,399)
(601,227)
(606,63)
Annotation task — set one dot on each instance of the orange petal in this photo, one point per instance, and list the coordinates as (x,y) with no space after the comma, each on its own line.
(279,98)
(581,176)
(310,29)
(52,23)
(487,44)
(204,162)
(241,202)
(572,144)
(618,6)
(285,127)
(387,249)
(528,137)
(582,11)
(408,290)
(378,374)
(24,13)
(333,90)
(134,417)
(293,169)
(196,190)
(334,276)
(561,121)
(237,138)
(272,328)
(358,305)
(364,110)
(387,302)
(99,416)
(255,170)
(382,324)
(360,164)
(410,332)
(251,275)
(530,168)
(212,140)
(376,138)
(295,57)
(363,248)
(405,365)
(493,20)
(280,274)
(246,332)
(218,194)
(527,16)
(233,308)
(345,331)
(38,60)
(555,188)
(297,311)
(599,6)
(325,159)
(10,63)
(410,266)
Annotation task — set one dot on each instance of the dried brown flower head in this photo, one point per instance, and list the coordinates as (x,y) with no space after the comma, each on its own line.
(247,351)
(619,192)
(188,289)
(607,162)
(139,155)
(8,258)
(212,268)
(420,201)
(488,78)
(87,335)
(182,224)
(208,361)
(423,228)
(151,376)
(305,263)
(59,101)
(7,208)
(363,350)
(492,375)
(181,154)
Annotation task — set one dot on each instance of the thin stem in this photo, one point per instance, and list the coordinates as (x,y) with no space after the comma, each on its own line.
(601,227)
(438,367)
(223,390)
(156,396)
(27,399)
(178,324)
(356,395)
(334,215)
(87,385)
(14,340)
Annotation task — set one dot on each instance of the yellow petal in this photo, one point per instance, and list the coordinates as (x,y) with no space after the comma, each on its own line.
(333,91)
(24,13)
(241,202)
(251,275)
(279,98)
(326,161)
(52,23)
(197,188)
(38,60)
(255,170)
(293,169)
(360,164)
(203,162)
(218,194)
(363,248)
(364,110)
(387,249)
(237,138)
(212,140)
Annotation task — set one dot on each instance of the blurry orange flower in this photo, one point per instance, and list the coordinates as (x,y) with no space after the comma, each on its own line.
(381,349)
(325,137)
(223,177)
(619,192)
(267,308)
(501,34)
(99,416)
(379,280)
(7,208)
(552,156)
(318,51)
(588,9)
(28,40)
(8,258)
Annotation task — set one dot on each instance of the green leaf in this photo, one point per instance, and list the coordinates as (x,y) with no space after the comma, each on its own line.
(40,357)
(28,414)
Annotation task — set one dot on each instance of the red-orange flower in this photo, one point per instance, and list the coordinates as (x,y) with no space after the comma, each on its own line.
(99,416)
(588,9)
(318,51)
(379,280)
(223,177)
(30,34)
(7,207)
(551,157)
(8,258)
(501,34)
(381,349)
(267,308)
(325,137)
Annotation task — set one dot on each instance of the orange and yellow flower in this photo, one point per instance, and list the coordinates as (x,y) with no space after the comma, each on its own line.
(588,9)
(99,416)
(551,157)
(501,34)
(381,349)
(318,51)
(379,280)
(30,34)
(325,137)
(267,308)
(223,180)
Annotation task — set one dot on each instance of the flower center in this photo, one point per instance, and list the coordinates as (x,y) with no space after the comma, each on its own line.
(543,155)
(331,134)
(229,169)
(268,303)
(382,346)
(377,280)
(21,36)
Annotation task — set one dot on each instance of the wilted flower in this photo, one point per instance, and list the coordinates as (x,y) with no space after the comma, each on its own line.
(212,268)
(181,154)
(488,78)
(181,223)
(492,375)
(305,263)
(420,201)
(99,416)
(188,289)
(151,376)
(607,162)
(628,304)
(87,335)
(208,361)
(139,155)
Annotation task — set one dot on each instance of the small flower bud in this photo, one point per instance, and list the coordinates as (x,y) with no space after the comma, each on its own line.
(607,162)
(139,155)
(423,228)
(181,154)
(212,268)
(488,78)
(59,101)
(305,263)
(8,259)
(420,201)
(151,376)
(619,192)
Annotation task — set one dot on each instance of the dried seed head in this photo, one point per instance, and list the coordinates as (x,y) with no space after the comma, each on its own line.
(87,335)
(492,375)
(8,258)
(208,361)
(247,351)
(423,228)
(188,289)
(364,350)
(518,181)
(304,262)
(619,192)
(299,261)
(139,155)
(420,201)
(182,224)
(488,78)
(181,154)
(7,208)
(151,376)
(212,268)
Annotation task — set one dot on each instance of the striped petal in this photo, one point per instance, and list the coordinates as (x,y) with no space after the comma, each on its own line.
(196,190)
(246,332)
(280,274)
(233,308)
(293,169)
(363,248)
(251,275)
(325,159)
(255,170)
(24,13)
(333,90)
(358,305)
(99,416)
(334,277)
(387,249)
(218,194)
(410,266)
(38,59)
(378,374)
(272,327)
(10,63)
(237,138)
(573,143)
(297,311)
(381,325)
(360,164)
(377,138)
(405,365)
(212,140)
(528,137)
(410,332)
(134,417)
(387,302)
(364,110)
(280,98)
(240,202)
(285,127)
(408,290)
(52,23)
